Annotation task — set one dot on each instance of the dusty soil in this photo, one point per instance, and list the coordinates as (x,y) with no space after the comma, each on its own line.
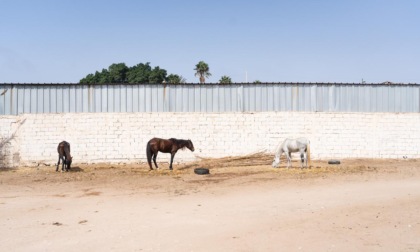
(359,205)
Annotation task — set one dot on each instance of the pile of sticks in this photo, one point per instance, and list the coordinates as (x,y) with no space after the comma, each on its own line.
(255,159)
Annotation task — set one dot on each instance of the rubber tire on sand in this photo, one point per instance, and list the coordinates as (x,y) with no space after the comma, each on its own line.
(334,162)
(201,171)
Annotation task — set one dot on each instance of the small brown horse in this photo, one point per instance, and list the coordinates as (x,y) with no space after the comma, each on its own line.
(63,150)
(166,146)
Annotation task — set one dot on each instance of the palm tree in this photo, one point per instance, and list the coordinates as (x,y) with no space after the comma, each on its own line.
(225,80)
(202,70)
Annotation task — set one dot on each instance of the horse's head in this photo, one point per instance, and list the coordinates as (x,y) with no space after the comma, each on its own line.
(190,145)
(68,161)
(276,161)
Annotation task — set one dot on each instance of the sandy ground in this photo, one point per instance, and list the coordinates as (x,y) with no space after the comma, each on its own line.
(360,205)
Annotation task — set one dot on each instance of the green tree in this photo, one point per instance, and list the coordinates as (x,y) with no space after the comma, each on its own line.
(90,78)
(202,70)
(97,78)
(118,73)
(176,79)
(225,80)
(103,77)
(157,75)
(139,73)
(257,82)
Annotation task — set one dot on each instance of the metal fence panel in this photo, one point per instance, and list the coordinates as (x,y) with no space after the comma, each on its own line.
(322,97)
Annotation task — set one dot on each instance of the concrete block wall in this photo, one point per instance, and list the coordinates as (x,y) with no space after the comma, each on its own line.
(32,139)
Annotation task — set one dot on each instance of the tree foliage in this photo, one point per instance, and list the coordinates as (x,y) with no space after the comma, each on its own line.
(176,79)
(157,75)
(139,73)
(202,70)
(120,73)
(117,73)
(225,80)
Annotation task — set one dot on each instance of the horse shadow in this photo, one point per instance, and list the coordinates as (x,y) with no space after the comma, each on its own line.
(75,169)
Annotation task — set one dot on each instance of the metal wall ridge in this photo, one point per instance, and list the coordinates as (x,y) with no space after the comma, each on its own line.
(238,97)
(220,84)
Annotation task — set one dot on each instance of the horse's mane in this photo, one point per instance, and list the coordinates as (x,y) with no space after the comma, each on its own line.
(180,142)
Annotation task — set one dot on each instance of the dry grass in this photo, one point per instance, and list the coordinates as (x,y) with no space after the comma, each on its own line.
(256,159)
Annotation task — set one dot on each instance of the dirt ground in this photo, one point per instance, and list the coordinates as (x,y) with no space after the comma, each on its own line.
(359,205)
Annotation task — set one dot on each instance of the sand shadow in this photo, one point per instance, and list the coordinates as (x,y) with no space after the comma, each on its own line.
(76,169)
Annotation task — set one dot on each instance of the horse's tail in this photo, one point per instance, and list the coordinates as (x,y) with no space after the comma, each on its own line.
(149,154)
(308,153)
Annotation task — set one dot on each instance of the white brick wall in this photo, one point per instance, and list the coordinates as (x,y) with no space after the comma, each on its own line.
(122,137)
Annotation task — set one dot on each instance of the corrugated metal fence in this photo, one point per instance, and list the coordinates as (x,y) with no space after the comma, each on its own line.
(62,98)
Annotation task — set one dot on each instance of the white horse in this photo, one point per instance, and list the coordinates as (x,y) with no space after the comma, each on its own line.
(288,146)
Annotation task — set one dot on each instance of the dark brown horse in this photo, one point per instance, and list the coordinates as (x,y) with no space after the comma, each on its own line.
(63,150)
(166,146)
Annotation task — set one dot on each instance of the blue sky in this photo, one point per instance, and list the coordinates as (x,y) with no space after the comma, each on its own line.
(61,41)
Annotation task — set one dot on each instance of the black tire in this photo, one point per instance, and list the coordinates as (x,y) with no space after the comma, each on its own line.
(334,162)
(201,171)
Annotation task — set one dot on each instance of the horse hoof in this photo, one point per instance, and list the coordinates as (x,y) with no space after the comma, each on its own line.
(201,171)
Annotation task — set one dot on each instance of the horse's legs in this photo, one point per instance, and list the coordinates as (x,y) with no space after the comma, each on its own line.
(302,159)
(172,160)
(289,159)
(63,164)
(67,167)
(154,156)
(58,163)
(149,155)
(151,160)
